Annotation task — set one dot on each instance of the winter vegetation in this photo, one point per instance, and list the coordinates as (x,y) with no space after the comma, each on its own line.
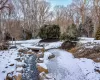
(41,40)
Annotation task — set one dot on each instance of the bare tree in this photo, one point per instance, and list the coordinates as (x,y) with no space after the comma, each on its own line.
(43,12)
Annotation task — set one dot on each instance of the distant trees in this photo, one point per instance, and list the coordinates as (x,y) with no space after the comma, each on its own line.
(88,24)
(5,4)
(6,8)
(97,18)
(28,16)
(87,28)
(63,16)
(35,14)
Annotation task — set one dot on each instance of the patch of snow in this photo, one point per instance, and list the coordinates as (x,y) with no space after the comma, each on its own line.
(53,45)
(46,45)
(41,58)
(19,69)
(65,67)
(42,65)
(89,47)
(97,41)
(35,47)
(7,58)
(20,63)
(46,55)
(26,41)
(86,38)
(87,66)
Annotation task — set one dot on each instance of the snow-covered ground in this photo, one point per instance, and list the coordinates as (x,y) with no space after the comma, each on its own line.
(88,68)
(86,40)
(6,59)
(65,67)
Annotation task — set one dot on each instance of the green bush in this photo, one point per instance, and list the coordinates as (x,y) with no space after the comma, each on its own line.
(63,36)
(49,32)
(71,33)
(98,34)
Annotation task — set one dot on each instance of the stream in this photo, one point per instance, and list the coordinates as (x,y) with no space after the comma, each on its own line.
(30,72)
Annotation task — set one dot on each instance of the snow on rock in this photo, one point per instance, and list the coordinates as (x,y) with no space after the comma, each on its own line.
(34,41)
(65,67)
(20,64)
(42,65)
(46,45)
(97,41)
(53,45)
(44,76)
(25,43)
(19,69)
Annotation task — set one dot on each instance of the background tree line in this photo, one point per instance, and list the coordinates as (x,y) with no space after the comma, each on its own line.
(22,19)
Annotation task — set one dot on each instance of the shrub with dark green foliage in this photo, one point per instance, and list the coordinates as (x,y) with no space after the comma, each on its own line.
(71,33)
(63,36)
(49,32)
(98,34)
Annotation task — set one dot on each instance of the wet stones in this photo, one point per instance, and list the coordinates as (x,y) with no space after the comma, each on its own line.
(9,76)
(51,56)
(30,72)
(3,71)
(18,59)
(22,50)
(11,65)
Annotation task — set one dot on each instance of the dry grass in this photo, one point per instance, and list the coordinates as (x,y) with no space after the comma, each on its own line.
(73,50)
(89,53)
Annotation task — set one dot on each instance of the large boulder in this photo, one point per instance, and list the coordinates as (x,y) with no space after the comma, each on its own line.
(68,45)
(23,51)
